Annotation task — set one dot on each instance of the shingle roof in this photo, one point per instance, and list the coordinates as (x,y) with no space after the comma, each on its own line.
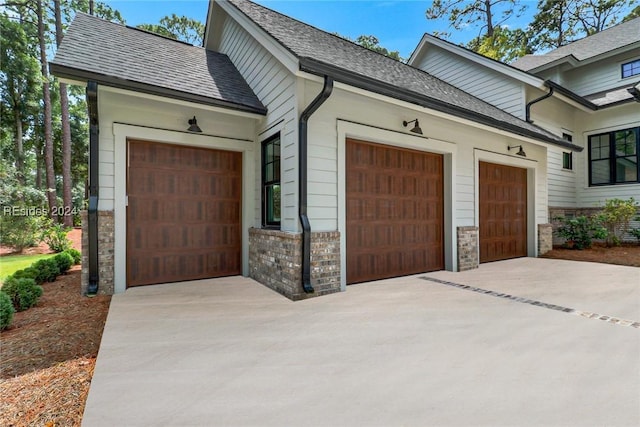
(321,52)
(116,55)
(605,41)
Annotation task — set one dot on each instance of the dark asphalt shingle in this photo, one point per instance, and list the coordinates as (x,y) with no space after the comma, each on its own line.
(605,41)
(114,54)
(307,42)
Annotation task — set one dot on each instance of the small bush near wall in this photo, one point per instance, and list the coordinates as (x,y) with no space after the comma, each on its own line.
(6,311)
(55,236)
(616,216)
(579,232)
(23,292)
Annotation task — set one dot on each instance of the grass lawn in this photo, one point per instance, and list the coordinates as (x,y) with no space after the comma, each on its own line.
(11,263)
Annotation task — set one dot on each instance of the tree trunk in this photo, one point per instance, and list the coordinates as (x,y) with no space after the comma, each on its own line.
(46,98)
(67,199)
(19,146)
(487,4)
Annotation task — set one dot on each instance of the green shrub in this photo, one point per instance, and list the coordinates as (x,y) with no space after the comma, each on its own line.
(47,270)
(635,232)
(580,231)
(55,235)
(615,216)
(64,261)
(6,311)
(28,273)
(76,255)
(23,292)
(19,231)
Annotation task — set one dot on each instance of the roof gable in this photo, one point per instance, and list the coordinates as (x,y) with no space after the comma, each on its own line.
(322,53)
(124,57)
(619,37)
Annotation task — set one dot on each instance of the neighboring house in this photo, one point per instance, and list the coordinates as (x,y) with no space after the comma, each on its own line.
(594,88)
(320,163)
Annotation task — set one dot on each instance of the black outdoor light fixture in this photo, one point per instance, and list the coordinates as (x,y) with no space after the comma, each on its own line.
(193,125)
(416,128)
(520,152)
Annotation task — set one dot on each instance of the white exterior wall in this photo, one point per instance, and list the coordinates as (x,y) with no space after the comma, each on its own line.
(125,115)
(610,119)
(558,117)
(275,87)
(600,76)
(482,82)
(352,115)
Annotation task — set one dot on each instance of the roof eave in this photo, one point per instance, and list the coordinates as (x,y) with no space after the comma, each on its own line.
(319,68)
(82,75)
(571,95)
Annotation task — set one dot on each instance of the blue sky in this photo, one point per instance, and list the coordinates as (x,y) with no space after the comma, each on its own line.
(398,24)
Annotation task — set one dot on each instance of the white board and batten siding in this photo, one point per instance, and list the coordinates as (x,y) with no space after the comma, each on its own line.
(492,87)
(275,86)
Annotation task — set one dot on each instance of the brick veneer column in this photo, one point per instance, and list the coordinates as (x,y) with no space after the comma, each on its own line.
(467,248)
(106,227)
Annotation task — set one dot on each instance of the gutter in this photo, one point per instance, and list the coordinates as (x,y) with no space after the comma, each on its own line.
(92,106)
(302,180)
(312,66)
(530,103)
(571,95)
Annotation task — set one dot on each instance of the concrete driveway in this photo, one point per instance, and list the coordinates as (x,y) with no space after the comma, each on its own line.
(527,342)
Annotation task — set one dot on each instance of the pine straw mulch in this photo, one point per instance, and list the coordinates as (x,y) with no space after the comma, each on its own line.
(627,254)
(48,356)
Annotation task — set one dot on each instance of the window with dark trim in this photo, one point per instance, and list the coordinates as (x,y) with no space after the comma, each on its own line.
(567,160)
(271,182)
(613,157)
(631,68)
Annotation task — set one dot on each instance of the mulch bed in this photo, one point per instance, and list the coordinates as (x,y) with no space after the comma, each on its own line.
(628,254)
(49,352)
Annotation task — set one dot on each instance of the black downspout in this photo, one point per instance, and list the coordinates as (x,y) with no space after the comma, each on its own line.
(529,104)
(92,106)
(302,179)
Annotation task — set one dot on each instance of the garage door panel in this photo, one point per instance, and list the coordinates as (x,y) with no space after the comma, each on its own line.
(395,211)
(183,215)
(503,212)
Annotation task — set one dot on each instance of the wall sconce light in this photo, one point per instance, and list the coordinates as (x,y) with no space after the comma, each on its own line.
(520,152)
(193,125)
(416,128)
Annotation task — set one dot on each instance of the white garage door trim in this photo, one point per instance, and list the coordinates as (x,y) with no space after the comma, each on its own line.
(347,129)
(121,133)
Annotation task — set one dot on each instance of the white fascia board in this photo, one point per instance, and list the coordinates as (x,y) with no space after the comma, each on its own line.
(157,98)
(418,108)
(72,82)
(418,50)
(274,47)
(478,59)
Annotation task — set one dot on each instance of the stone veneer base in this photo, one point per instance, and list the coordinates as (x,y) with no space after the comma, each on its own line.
(468,255)
(275,260)
(106,231)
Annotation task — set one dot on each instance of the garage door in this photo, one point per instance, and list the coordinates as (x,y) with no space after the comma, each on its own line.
(183,214)
(394,213)
(503,212)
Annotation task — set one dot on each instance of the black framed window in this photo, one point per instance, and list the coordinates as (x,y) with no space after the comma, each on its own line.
(613,157)
(271,206)
(631,68)
(567,160)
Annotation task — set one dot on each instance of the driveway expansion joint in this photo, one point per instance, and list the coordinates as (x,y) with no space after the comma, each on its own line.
(568,310)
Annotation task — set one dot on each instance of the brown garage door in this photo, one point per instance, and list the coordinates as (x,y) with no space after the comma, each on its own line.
(183,214)
(395,209)
(503,212)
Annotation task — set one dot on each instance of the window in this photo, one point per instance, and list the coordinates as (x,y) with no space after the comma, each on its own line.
(613,157)
(567,160)
(271,182)
(631,68)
